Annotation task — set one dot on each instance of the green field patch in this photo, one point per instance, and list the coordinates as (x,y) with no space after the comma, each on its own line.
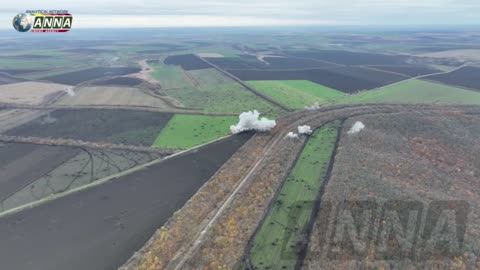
(209,76)
(170,77)
(186,131)
(33,52)
(296,94)
(276,244)
(413,92)
(33,63)
(224,98)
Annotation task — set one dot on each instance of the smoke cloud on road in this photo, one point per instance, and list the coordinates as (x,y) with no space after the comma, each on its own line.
(305,130)
(292,135)
(251,121)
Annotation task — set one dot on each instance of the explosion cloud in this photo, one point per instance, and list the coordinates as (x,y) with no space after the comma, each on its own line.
(251,121)
(70,91)
(356,127)
(306,130)
(292,135)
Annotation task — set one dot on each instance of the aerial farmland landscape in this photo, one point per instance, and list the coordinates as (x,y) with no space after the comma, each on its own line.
(242,147)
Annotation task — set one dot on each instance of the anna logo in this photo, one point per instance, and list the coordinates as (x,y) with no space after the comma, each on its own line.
(59,21)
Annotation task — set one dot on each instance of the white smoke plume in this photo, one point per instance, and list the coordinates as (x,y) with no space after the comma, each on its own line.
(292,135)
(356,127)
(252,121)
(48,120)
(315,106)
(306,130)
(70,91)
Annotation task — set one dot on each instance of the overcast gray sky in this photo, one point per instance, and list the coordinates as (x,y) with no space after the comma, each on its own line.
(154,13)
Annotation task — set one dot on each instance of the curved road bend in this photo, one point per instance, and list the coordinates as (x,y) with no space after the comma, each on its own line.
(315,119)
(101,227)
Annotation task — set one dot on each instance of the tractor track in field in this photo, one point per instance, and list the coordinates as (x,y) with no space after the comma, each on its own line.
(109,107)
(84,144)
(416,77)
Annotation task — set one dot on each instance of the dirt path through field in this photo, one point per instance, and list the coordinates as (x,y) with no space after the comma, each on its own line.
(421,76)
(326,103)
(80,143)
(144,74)
(189,78)
(235,78)
(154,86)
(110,107)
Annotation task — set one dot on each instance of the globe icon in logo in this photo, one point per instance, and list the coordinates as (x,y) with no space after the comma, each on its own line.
(22,22)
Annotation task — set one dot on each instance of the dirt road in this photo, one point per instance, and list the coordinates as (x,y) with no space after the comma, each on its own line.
(315,119)
(235,78)
(100,227)
(85,144)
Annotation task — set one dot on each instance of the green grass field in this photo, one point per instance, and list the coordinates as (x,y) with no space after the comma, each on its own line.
(295,94)
(170,77)
(275,244)
(209,76)
(10,63)
(415,91)
(34,52)
(186,131)
(224,98)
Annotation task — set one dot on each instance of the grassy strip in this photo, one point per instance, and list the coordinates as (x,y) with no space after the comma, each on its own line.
(415,91)
(9,63)
(295,94)
(276,243)
(209,76)
(185,131)
(224,98)
(170,77)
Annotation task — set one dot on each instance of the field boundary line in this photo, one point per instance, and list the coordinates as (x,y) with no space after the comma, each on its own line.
(251,89)
(450,85)
(385,71)
(417,78)
(421,78)
(86,144)
(189,78)
(316,60)
(108,107)
(101,181)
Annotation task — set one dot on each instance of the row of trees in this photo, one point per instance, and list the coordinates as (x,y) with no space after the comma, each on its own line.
(226,242)
(188,222)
